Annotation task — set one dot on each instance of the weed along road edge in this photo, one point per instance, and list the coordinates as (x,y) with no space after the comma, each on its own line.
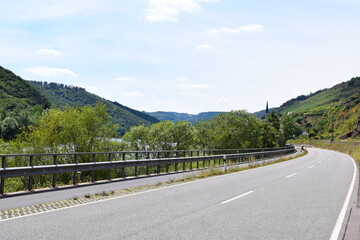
(289,200)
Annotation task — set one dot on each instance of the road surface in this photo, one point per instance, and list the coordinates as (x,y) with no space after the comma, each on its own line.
(297,199)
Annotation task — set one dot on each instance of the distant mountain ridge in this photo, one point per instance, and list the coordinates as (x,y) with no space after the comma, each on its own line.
(61,95)
(262,113)
(177,117)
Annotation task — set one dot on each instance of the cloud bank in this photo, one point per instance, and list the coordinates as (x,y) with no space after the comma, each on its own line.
(252,28)
(50,72)
(169,10)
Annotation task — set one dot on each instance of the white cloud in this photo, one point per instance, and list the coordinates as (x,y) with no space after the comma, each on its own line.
(92,88)
(40,9)
(198,86)
(132,94)
(223,100)
(168,10)
(124,79)
(196,94)
(50,72)
(204,47)
(246,29)
(50,52)
(182,79)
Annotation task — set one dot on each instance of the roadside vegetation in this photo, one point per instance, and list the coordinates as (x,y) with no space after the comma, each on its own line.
(233,130)
(90,129)
(350,148)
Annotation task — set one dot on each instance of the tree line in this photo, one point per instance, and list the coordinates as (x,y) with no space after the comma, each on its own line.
(90,129)
(233,130)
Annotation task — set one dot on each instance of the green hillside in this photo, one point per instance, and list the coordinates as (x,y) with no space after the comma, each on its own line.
(327,112)
(20,104)
(61,95)
(177,117)
(14,90)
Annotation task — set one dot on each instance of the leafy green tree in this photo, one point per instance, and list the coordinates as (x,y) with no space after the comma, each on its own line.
(183,135)
(288,127)
(270,135)
(138,138)
(164,135)
(9,127)
(71,130)
(237,129)
(273,119)
(160,136)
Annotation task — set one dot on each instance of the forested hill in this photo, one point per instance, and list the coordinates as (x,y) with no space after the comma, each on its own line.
(62,95)
(177,117)
(318,113)
(20,104)
(15,91)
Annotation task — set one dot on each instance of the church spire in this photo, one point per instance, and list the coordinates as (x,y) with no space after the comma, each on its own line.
(267,108)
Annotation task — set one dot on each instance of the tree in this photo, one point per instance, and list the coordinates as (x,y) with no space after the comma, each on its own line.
(183,136)
(137,138)
(9,127)
(77,129)
(269,136)
(237,129)
(288,127)
(164,135)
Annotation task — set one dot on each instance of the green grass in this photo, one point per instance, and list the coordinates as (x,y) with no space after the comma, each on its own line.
(347,148)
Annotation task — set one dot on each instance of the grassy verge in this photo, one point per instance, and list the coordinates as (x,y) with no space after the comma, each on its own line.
(347,148)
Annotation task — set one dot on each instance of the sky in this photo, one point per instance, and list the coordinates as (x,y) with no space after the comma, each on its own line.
(186,56)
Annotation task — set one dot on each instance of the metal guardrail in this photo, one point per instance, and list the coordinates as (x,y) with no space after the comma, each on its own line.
(122,160)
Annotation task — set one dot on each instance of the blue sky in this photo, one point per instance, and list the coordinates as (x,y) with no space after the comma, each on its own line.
(184,55)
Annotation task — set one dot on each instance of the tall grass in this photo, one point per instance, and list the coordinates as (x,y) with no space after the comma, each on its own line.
(351,149)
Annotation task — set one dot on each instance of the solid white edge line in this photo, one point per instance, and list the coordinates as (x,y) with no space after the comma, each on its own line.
(234,198)
(336,231)
(290,175)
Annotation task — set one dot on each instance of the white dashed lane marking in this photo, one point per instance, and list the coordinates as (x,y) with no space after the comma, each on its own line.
(290,175)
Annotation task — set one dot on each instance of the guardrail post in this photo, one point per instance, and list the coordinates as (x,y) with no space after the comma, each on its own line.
(75,172)
(158,166)
(191,155)
(30,179)
(93,172)
(197,162)
(225,167)
(123,169)
(136,168)
(147,167)
(2,183)
(54,176)
(168,165)
(176,164)
(109,170)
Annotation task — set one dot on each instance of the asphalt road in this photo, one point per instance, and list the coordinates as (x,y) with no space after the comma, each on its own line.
(297,199)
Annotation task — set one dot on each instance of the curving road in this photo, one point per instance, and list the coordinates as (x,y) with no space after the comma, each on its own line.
(297,199)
